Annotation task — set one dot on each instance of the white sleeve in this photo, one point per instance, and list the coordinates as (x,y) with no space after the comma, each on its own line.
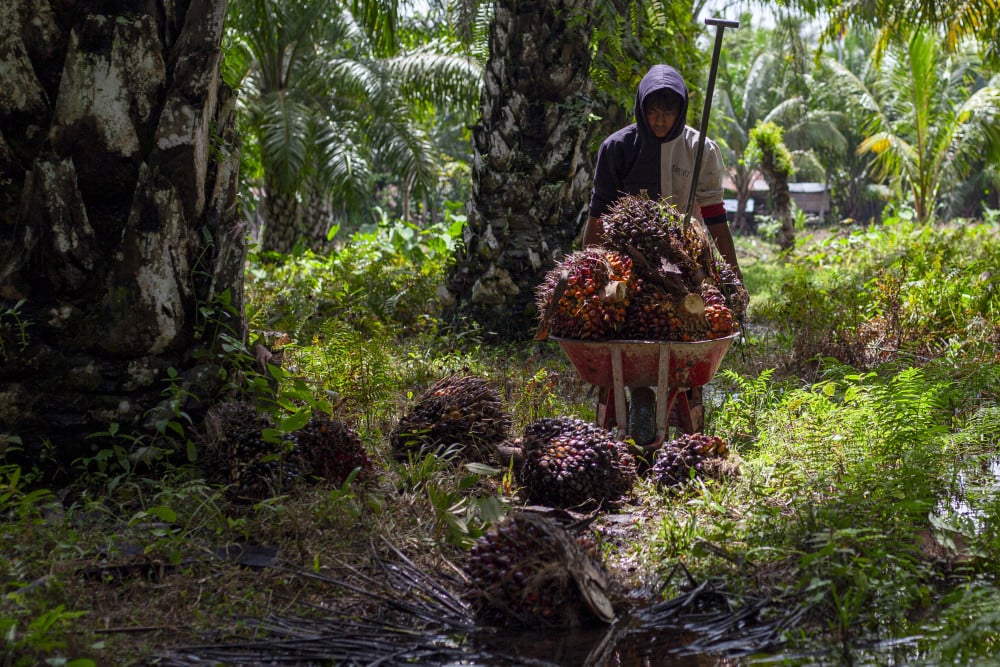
(710,176)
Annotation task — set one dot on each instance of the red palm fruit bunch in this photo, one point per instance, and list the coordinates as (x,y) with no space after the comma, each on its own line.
(528,570)
(650,315)
(568,462)
(674,265)
(586,295)
(719,318)
(691,455)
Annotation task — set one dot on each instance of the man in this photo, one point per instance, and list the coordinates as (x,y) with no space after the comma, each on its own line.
(655,157)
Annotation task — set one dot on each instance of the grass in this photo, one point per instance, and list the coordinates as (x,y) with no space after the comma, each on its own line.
(862,407)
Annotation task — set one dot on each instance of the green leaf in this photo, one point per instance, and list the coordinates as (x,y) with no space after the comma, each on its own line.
(295,421)
(482,469)
(163,512)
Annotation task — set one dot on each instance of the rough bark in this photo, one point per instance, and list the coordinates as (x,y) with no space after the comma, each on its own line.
(282,221)
(532,164)
(121,253)
(781,199)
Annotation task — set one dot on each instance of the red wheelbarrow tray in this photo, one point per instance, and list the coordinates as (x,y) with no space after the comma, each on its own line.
(671,366)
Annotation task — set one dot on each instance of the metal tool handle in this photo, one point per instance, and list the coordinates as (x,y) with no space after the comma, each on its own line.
(721,25)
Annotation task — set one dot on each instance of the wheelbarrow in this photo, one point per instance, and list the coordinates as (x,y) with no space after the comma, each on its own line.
(672,367)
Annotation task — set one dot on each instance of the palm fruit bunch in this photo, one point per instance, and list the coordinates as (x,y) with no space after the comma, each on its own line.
(676,269)
(567,462)
(462,410)
(331,450)
(651,316)
(528,570)
(704,454)
(586,294)
(237,454)
(737,297)
(663,250)
(721,320)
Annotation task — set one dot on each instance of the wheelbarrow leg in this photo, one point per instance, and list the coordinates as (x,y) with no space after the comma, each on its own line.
(612,409)
(688,414)
(621,408)
(605,407)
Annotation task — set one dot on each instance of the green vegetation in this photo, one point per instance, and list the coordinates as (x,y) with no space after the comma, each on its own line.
(862,403)
(862,407)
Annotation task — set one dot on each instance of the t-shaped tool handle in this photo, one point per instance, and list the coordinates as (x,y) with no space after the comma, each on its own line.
(721,25)
(725,23)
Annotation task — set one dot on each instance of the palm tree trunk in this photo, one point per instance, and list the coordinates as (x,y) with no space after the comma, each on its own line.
(781,198)
(281,221)
(318,219)
(121,246)
(532,165)
(776,166)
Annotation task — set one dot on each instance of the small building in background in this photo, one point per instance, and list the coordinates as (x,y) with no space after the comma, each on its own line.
(813,199)
(733,204)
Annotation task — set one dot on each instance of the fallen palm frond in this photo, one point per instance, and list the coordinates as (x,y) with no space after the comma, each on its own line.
(394,612)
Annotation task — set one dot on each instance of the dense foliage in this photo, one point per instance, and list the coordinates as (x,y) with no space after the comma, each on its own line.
(860,407)
(859,410)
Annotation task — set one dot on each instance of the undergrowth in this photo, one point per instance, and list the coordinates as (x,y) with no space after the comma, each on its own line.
(861,404)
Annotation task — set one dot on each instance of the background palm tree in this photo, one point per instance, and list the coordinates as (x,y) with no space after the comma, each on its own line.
(532,167)
(893,21)
(930,118)
(768,151)
(331,102)
(854,193)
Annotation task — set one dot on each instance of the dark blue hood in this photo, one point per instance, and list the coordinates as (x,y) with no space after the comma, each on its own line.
(660,77)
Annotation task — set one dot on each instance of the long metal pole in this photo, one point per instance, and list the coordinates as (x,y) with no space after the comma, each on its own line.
(721,25)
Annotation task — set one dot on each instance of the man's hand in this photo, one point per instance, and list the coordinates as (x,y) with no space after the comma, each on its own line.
(593,233)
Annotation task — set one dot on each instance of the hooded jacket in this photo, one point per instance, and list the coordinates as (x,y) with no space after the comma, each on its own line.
(634,161)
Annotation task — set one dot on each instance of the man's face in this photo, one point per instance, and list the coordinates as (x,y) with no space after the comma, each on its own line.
(661,119)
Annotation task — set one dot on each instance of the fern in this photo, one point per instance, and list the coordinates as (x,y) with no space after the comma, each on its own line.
(356,368)
(747,407)
(906,413)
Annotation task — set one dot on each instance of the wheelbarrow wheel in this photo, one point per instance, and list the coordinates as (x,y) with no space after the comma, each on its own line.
(642,415)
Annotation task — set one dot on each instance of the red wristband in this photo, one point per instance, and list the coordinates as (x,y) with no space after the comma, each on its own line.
(713,210)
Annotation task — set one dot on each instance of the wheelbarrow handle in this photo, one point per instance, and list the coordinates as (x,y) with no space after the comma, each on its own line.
(725,23)
(721,25)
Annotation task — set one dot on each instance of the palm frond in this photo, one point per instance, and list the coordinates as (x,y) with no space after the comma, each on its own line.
(342,165)
(284,135)
(431,74)
(759,82)
(978,126)
(786,112)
